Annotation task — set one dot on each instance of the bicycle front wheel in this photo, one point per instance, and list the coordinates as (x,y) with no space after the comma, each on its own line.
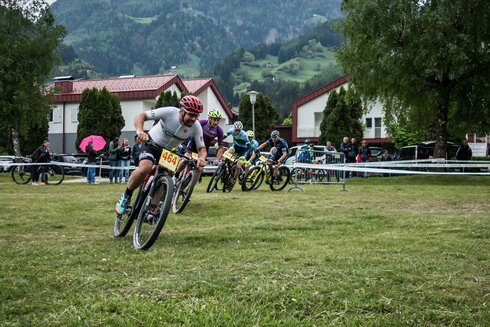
(213,183)
(183,193)
(21,174)
(252,179)
(123,222)
(281,180)
(153,213)
(53,175)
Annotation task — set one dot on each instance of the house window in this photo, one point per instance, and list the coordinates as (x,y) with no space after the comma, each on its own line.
(55,116)
(369,122)
(74,115)
(377,127)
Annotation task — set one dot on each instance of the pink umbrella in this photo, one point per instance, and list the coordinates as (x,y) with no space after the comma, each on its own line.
(98,142)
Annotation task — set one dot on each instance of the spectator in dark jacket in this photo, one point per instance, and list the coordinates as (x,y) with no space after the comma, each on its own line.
(41,154)
(464,152)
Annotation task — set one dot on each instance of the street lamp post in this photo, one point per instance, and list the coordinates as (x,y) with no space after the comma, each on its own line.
(253,99)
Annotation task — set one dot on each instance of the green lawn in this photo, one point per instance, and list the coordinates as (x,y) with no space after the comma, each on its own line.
(410,251)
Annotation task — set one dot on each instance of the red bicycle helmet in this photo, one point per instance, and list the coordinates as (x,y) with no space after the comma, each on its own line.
(191,104)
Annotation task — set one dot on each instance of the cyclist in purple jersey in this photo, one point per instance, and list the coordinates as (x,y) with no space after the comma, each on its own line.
(212,134)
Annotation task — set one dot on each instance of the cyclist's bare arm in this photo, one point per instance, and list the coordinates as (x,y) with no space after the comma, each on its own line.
(139,121)
(219,153)
(202,154)
(281,159)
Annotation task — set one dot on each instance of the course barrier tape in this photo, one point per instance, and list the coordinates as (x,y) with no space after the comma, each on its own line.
(431,167)
(65,164)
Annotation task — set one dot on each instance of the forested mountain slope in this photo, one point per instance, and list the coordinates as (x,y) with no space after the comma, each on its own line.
(149,36)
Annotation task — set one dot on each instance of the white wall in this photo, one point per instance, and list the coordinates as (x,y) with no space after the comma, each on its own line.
(310,116)
(210,102)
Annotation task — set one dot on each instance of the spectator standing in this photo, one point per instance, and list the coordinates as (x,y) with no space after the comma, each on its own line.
(330,147)
(114,148)
(464,152)
(136,150)
(346,149)
(125,157)
(91,158)
(365,154)
(41,154)
(386,156)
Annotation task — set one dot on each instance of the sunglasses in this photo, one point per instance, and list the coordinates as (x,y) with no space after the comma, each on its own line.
(192,114)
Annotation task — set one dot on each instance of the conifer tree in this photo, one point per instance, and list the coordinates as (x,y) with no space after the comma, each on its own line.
(99,114)
(167,98)
(265,116)
(341,117)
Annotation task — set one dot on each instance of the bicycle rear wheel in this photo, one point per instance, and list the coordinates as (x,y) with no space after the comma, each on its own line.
(229,179)
(151,220)
(281,180)
(21,174)
(252,178)
(183,193)
(53,174)
(123,222)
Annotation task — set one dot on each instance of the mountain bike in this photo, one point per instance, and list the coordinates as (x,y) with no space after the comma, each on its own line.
(263,169)
(184,185)
(152,205)
(224,176)
(51,174)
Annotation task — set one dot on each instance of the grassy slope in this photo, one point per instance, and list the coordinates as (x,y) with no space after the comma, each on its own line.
(390,251)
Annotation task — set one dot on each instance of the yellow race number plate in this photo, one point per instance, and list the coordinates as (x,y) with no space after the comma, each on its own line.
(169,160)
(228,155)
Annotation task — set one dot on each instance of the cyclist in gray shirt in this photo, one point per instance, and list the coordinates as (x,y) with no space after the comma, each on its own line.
(175,126)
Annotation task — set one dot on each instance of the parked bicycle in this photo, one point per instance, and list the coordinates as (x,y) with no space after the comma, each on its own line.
(263,169)
(50,174)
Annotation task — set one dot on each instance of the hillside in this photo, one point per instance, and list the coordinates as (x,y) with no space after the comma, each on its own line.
(148,37)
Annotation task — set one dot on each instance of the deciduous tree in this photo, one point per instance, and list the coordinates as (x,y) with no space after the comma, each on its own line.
(428,61)
(29,38)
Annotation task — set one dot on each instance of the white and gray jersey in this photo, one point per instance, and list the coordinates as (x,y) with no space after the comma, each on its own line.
(168,132)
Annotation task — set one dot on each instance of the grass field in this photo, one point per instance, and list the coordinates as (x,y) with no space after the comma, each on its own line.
(410,251)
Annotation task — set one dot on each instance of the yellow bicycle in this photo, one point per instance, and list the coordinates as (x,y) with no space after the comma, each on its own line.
(264,169)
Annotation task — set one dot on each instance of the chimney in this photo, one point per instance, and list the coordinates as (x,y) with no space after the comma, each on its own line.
(63,83)
(64,87)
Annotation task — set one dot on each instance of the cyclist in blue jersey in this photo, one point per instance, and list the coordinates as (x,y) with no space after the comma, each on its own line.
(241,144)
(306,153)
(254,144)
(279,150)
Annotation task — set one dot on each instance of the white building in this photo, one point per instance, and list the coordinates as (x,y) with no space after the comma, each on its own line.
(136,94)
(307,115)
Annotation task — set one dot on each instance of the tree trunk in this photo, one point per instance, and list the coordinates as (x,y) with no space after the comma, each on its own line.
(16,142)
(440,150)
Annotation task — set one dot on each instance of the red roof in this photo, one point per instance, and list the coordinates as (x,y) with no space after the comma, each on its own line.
(307,98)
(198,85)
(134,88)
(127,88)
